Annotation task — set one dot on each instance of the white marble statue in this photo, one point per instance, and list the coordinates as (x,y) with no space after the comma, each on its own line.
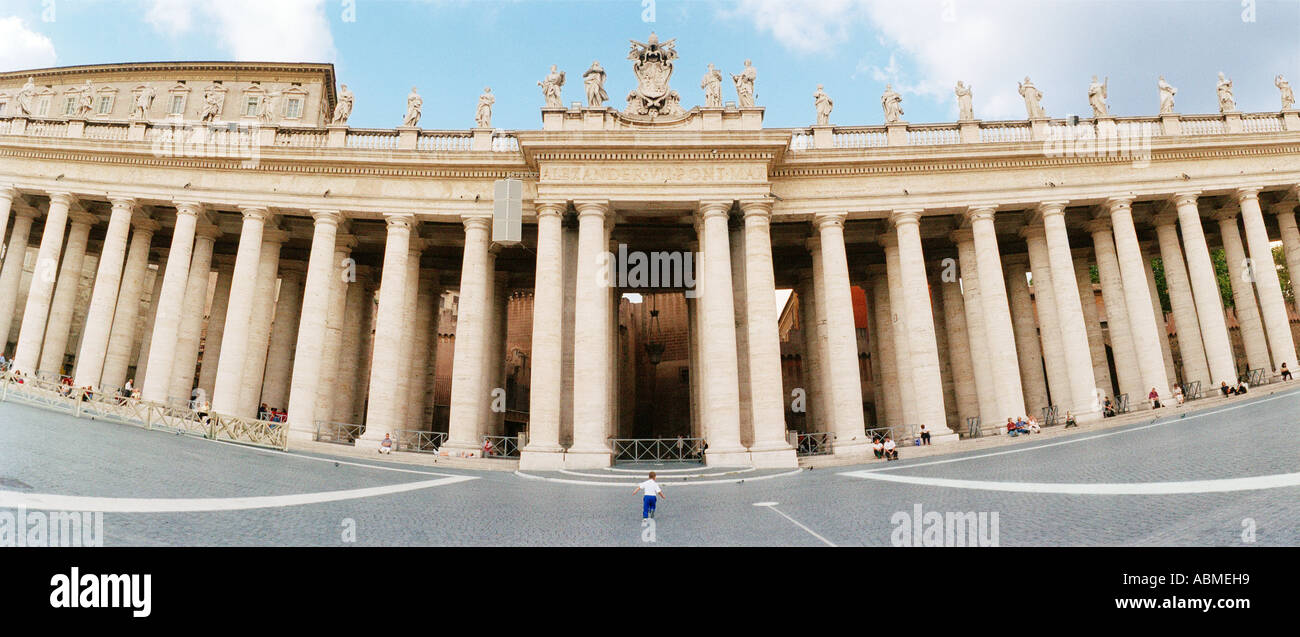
(86,101)
(25,96)
(964,104)
(551,87)
(483,116)
(413,105)
(712,85)
(823,103)
(1288,96)
(1226,103)
(594,81)
(212,103)
(745,85)
(1033,99)
(1097,97)
(1167,92)
(143,102)
(343,109)
(266,106)
(892,103)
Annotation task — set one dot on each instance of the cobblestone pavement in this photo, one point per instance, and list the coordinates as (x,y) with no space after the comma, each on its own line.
(230,495)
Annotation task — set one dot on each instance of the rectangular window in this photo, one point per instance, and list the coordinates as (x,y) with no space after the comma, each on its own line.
(178,104)
(43,107)
(3,106)
(250,107)
(293,109)
(105,105)
(70,106)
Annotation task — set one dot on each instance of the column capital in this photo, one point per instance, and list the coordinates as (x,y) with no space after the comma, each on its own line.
(142,222)
(274,235)
(8,193)
(1164,219)
(887,240)
(592,207)
(905,216)
(1226,213)
(1122,203)
(550,207)
(1035,232)
(824,219)
(193,208)
(713,208)
(961,235)
(79,216)
(1099,224)
(482,222)
(1248,193)
(400,221)
(257,213)
(1282,208)
(980,212)
(756,206)
(63,198)
(1186,198)
(26,212)
(206,230)
(328,217)
(122,201)
(1054,207)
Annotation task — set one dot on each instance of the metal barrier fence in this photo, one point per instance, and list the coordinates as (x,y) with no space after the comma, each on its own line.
(1253,377)
(1049,416)
(501,446)
(340,433)
(1191,390)
(818,443)
(901,434)
(658,449)
(419,441)
(1121,404)
(973,427)
(113,407)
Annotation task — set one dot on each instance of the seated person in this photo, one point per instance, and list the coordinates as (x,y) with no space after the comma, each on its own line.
(879,448)
(1032,425)
(1022,426)
(1107,410)
(1011,427)
(1286,373)
(1223,387)
(925,435)
(386,445)
(1071,422)
(1241,388)
(1178,394)
(891,450)
(1154,397)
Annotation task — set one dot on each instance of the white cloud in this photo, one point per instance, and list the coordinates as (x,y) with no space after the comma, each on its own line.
(264,30)
(23,48)
(805,26)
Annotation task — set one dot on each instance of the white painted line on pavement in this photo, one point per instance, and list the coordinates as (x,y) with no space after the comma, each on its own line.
(54,502)
(772,506)
(1223,485)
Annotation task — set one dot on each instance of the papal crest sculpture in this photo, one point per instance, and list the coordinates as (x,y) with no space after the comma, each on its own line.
(652,63)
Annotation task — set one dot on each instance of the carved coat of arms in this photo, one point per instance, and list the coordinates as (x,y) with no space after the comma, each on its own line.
(652,62)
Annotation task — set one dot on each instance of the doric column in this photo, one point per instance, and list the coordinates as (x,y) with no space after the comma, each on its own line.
(1029,343)
(1074,334)
(766,391)
(976,331)
(103,296)
(162,348)
(386,370)
(927,381)
(1092,321)
(354,352)
(1117,323)
(841,379)
(259,330)
(1286,224)
(191,326)
(327,405)
(239,314)
(1190,346)
(721,383)
(12,273)
(740,304)
(490,360)
(881,318)
(216,329)
(284,332)
(32,330)
(1049,323)
(7,195)
(813,351)
(1243,293)
(126,313)
(469,391)
(419,409)
(1205,289)
(959,358)
(141,345)
(321,275)
(402,408)
(1148,267)
(543,448)
(997,314)
(55,345)
(1137,300)
(1272,306)
(898,331)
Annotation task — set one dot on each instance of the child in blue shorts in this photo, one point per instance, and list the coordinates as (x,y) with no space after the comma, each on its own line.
(652,492)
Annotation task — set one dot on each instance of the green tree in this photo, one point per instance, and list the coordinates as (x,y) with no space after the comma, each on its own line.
(1283,274)
(1220,260)
(1158,269)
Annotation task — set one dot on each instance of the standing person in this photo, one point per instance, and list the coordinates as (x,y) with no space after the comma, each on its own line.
(652,493)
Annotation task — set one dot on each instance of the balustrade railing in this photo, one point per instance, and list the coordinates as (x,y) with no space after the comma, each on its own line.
(1203,125)
(301,138)
(859,138)
(372,139)
(1005,132)
(107,131)
(1261,123)
(933,135)
(444,141)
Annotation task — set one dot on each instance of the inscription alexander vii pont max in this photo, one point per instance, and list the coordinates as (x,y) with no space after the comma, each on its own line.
(654,174)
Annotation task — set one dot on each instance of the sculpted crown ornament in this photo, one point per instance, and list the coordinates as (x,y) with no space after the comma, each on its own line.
(652,62)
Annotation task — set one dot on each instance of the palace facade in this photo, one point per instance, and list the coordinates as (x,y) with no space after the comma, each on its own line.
(217,234)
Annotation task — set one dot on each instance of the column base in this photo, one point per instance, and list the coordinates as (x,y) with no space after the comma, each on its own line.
(586,459)
(461,449)
(541,458)
(737,457)
(299,435)
(944,439)
(778,456)
(853,447)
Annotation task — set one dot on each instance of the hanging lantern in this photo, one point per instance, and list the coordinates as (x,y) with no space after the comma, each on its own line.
(654,347)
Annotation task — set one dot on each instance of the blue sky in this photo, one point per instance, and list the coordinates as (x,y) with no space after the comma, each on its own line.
(451,49)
